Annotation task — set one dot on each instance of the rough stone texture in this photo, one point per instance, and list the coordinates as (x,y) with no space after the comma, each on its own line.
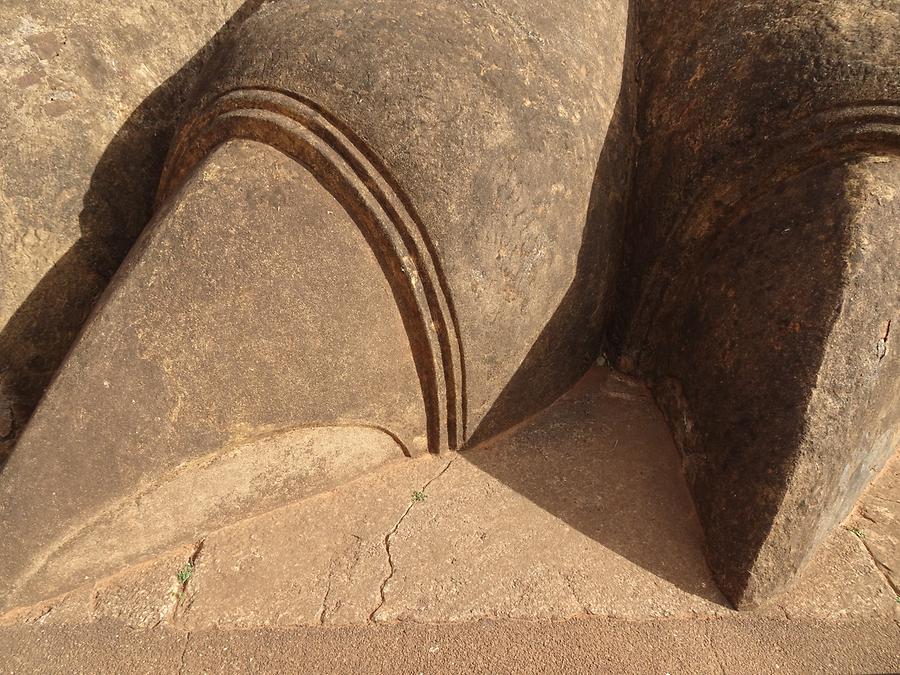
(232,319)
(840,582)
(400,224)
(579,511)
(575,646)
(141,596)
(7,415)
(761,265)
(332,572)
(501,126)
(89,98)
(876,526)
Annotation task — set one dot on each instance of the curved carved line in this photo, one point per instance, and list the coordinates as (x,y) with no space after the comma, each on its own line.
(398,207)
(457,359)
(304,134)
(839,133)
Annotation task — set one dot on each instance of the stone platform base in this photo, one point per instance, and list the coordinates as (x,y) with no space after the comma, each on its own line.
(587,645)
(580,511)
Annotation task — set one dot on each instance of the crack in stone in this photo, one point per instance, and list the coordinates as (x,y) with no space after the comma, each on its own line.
(95,602)
(324,608)
(340,566)
(578,601)
(43,616)
(191,564)
(24,613)
(881,568)
(187,639)
(714,649)
(392,532)
(867,517)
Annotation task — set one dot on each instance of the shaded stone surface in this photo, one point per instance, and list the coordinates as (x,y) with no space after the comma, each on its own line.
(90,96)
(840,582)
(762,268)
(233,319)
(400,224)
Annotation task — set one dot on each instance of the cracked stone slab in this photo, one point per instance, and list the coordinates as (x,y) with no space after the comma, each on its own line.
(254,475)
(142,596)
(319,561)
(579,510)
(840,582)
(417,496)
(876,524)
(855,574)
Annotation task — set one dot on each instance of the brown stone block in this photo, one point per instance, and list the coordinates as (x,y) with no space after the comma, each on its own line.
(90,95)
(249,338)
(363,224)
(762,260)
(385,228)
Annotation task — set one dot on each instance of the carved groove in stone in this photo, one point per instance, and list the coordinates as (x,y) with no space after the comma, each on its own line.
(839,133)
(343,166)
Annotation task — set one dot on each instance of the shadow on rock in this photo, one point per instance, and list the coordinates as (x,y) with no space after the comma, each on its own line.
(117,205)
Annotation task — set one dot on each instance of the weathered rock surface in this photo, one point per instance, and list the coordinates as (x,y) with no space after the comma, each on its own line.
(417,223)
(386,228)
(761,265)
(233,318)
(579,511)
(90,95)
(876,525)
(584,645)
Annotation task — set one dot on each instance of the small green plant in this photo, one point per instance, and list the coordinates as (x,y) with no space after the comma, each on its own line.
(419,496)
(185,573)
(857,532)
